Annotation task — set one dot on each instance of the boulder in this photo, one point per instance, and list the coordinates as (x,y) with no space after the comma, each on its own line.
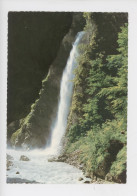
(24,158)
(87,182)
(9,163)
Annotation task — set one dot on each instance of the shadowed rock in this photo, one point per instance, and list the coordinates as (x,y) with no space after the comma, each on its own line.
(9,161)
(80,179)
(35,130)
(20,181)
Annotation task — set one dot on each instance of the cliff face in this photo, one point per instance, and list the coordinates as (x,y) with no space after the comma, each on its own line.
(97,123)
(33,42)
(35,128)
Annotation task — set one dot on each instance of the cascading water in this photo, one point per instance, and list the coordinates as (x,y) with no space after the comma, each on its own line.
(66,88)
(38,168)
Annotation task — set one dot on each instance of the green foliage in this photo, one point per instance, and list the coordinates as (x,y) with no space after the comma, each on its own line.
(75,133)
(100,146)
(99,103)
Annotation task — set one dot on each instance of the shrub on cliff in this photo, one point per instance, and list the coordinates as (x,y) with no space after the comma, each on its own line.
(100,129)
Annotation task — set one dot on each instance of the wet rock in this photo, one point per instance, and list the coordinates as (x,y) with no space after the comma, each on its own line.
(87,175)
(81,166)
(20,181)
(87,182)
(54,159)
(24,158)
(9,161)
(80,179)
(61,158)
(9,157)
(17,172)
(72,159)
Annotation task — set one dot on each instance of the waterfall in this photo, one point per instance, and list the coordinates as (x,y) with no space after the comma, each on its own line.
(66,89)
(38,166)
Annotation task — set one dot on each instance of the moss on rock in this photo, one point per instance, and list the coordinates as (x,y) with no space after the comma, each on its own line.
(36,128)
(15,136)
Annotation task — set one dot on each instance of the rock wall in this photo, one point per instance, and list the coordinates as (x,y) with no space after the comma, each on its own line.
(35,129)
(33,42)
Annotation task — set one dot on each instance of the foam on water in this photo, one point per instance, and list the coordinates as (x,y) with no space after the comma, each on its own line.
(40,170)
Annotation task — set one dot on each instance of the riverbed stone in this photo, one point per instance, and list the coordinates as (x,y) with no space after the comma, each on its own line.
(53,159)
(80,179)
(24,158)
(87,182)
(87,175)
(9,157)
(9,161)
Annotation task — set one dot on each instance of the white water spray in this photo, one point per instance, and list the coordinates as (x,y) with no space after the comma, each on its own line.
(66,88)
(38,168)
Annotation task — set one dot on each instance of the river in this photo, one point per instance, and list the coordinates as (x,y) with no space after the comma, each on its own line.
(38,168)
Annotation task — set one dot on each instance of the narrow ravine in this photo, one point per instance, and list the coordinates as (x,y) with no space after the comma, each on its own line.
(38,169)
(67,97)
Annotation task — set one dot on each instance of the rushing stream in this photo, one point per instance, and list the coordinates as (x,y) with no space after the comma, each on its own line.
(38,168)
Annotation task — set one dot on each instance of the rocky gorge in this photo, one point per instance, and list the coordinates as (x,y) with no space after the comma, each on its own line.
(94,139)
(35,127)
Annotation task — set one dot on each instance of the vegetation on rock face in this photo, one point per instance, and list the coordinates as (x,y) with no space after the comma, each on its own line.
(14,136)
(36,127)
(97,122)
